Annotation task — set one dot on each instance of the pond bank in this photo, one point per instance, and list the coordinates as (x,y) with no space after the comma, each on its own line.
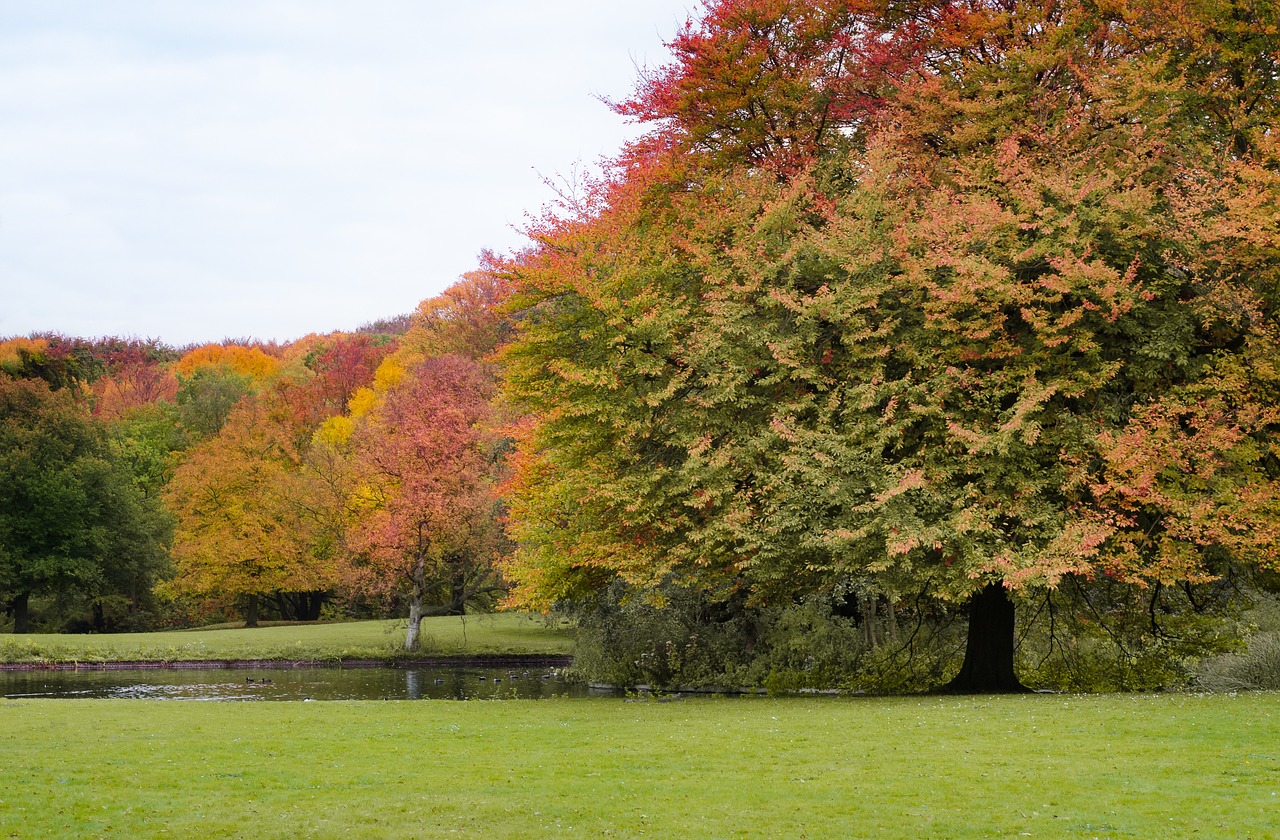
(459,661)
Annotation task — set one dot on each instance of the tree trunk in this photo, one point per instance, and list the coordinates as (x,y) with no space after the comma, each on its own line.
(315,602)
(22,612)
(415,604)
(869,619)
(251,612)
(988,654)
(458,595)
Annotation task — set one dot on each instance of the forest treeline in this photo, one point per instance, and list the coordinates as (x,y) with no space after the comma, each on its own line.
(348,474)
(931,341)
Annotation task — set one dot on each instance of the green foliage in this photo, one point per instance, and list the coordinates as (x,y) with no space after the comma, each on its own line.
(1256,666)
(72,519)
(1104,636)
(1255,669)
(1015,325)
(623,639)
(207,396)
(1091,636)
(688,640)
(149,440)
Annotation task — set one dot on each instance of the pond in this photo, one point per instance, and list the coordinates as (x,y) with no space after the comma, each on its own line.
(435,683)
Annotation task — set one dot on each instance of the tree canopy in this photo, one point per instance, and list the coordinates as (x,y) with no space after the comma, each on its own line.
(72,518)
(963,297)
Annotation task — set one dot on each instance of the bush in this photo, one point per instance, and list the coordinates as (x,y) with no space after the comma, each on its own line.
(1256,669)
(682,639)
(1102,635)
(1087,636)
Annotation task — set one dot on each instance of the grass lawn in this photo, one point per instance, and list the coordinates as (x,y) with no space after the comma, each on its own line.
(1140,766)
(477,634)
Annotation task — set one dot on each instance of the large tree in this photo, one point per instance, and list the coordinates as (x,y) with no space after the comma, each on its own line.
(963,297)
(258,515)
(72,518)
(429,527)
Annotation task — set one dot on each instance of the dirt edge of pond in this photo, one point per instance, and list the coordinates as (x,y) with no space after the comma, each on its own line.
(494,661)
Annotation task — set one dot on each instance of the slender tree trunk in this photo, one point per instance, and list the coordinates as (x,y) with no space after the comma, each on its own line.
(415,603)
(869,619)
(988,654)
(251,612)
(22,612)
(892,617)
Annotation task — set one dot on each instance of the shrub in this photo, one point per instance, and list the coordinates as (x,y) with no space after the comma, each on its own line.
(1257,668)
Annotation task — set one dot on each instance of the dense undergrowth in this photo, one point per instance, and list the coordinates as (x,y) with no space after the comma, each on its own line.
(1091,638)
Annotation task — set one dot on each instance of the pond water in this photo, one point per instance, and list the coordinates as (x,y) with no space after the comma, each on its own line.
(448,683)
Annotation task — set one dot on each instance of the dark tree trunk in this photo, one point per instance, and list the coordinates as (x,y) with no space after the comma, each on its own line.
(458,595)
(251,612)
(22,612)
(988,655)
(285,606)
(314,601)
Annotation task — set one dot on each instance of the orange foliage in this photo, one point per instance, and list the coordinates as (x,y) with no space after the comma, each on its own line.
(247,361)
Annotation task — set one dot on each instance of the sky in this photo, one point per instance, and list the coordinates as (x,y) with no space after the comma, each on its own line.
(193,171)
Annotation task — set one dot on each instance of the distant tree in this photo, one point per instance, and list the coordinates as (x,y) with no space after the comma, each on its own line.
(335,368)
(245,360)
(72,519)
(466,319)
(207,397)
(135,374)
(395,325)
(252,524)
(149,440)
(429,527)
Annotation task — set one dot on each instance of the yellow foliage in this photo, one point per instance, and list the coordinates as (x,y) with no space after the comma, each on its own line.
(362,402)
(335,431)
(368,497)
(389,374)
(9,349)
(248,361)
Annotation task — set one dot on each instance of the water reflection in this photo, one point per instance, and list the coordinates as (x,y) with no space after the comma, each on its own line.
(461,683)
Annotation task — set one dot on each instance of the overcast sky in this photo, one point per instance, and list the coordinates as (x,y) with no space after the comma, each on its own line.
(199,170)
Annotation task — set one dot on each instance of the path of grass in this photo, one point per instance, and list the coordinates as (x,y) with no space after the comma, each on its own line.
(1137,766)
(482,634)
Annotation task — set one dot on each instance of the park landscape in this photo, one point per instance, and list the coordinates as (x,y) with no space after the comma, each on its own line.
(893,424)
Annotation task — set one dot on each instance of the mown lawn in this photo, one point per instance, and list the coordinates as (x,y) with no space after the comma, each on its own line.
(480,634)
(1141,766)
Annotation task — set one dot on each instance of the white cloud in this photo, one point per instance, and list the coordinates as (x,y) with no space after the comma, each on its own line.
(197,170)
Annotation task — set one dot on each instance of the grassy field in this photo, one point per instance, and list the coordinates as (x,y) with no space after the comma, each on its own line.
(481,634)
(1140,766)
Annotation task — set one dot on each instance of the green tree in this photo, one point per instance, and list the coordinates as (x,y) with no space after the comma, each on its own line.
(207,396)
(1005,315)
(72,519)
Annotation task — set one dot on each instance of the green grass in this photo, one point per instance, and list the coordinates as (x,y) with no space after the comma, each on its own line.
(1139,766)
(481,634)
